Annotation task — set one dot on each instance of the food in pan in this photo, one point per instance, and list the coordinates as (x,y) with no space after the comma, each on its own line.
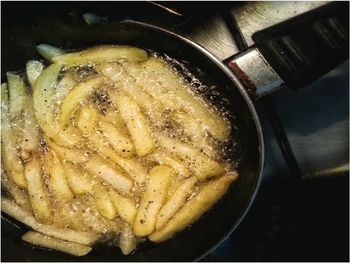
(109,144)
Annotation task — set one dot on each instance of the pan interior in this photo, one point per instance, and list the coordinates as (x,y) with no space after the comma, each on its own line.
(18,46)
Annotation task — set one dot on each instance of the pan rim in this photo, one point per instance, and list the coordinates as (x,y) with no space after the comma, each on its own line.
(250,104)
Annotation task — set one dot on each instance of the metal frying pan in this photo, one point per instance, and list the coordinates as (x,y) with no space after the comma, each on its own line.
(195,242)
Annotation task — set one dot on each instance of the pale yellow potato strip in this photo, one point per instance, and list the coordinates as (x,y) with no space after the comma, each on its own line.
(72,248)
(113,116)
(20,196)
(194,208)
(18,213)
(103,54)
(175,202)
(37,191)
(165,86)
(131,166)
(17,94)
(127,240)
(165,158)
(125,83)
(76,96)
(11,160)
(110,174)
(57,180)
(70,154)
(45,105)
(103,201)
(48,51)
(152,200)
(79,183)
(201,165)
(87,119)
(125,206)
(120,142)
(136,124)
(30,134)
(197,133)
(33,70)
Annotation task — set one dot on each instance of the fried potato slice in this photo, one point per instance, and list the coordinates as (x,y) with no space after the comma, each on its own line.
(152,200)
(201,165)
(33,70)
(127,240)
(164,158)
(87,119)
(25,217)
(79,182)
(120,142)
(37,191)
(110,174)
(78,95)
(57,180)
(45,105)
(164,85)
(125,206)
(12,163)
(208,195)
(48,51)
(103,54)
(69,247)
(136,124)
(175,202)
(103,201)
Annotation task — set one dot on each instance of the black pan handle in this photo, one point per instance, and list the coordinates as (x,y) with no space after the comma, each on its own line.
(296,52)
(306,47)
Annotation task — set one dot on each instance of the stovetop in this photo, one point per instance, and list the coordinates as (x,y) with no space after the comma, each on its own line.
(301,212)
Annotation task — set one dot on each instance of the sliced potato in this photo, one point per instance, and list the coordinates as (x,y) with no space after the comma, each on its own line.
(45,105)
(175,202)
(127,84)
(17,94)
(48,51)
(79,182)
(9,154)
(160,81)
(87,119)
(33,70)
(20,196)
(57,180)
(136,123)
(194,208)
(78,95)
(131,166)
(72,248)
(25,217)
(103,201)
(73,155)
(197,162)
(112,115)
(37,191)
(110,174)
(125,206)
(121,143)
(164,158)
(152,200)
(103,54)
(127,240)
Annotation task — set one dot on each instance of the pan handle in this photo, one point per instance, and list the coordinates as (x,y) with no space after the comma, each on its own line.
(296,52)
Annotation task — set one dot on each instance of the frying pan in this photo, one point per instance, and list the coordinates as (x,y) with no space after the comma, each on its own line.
(293,62)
